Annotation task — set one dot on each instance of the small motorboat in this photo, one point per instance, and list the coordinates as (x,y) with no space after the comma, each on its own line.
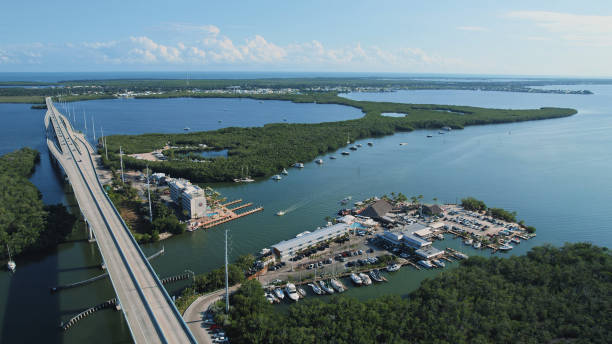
(365,279)
(461,255)
(429,135)
(468,241)
(426,263)
(393,267)
(370,143)
(325,287)
(403,143)
(345,200)
(337,285)
(284,171)
(301,291)
(438,263)
(516,240)
(332,157)
(353,148)
(440,236)
(356,279)
(280,213)
(298,165)
(292,292)
(11,265)
(270,298)
(375,274)
(506,247)
(477,245)
(277,177)
(319,161)
(186,128)
(345,153)
(359,145)
(315,288)
(279,293)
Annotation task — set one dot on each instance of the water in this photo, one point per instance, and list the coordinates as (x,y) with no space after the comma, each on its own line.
(554,173)
(214,153)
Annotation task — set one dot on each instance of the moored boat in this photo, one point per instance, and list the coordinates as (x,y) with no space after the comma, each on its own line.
(356,279)
(426,263)
(301,291)
(516,240)
(506,247)
(292,292)
(332,157)
(461,255)
(477,245)
(345,153)
(440,236)
(438,263)
(279,293)
(365,279)
(284,171)
(393,267)
(370,143)
(298,165)
(375,274)
(325,287)
(359,145)
(336,285)
(277,177)
(319,161)
(315,288)
(468,241)
(11,265)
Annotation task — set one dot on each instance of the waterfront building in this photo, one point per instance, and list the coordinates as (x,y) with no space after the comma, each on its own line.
(377,210)
(190,197)
(289,248)
(429,252)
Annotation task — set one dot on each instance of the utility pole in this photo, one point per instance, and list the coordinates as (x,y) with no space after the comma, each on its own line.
(85,123)
(121,161)
(93,128)
(226,279)
(149,194)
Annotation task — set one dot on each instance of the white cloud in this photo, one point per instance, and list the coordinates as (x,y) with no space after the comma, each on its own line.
(472,28)
(588,30)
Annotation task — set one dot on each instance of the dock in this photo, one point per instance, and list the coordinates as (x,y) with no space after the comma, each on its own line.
(222,214)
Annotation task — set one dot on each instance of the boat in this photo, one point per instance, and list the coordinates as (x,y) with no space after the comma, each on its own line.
(353,148)
(302,234)
(277,177)
(516,240)
(375,274)
(298,165)
(332,157)
(279,293)
(359,145)
(425,263)
(325,287)
(264,251)
(11,265)
(280,213)
(245,178)
(356,279)
(477,245)
(315,288)
(186,128)
(393,267)
(365,279)
(270,298)
(429,135)
(291,291)
(284,171)
(319,161)
(438,263)
(505,247)
(441,133)
(440,236)
(370,143)
(461,255)
(336,285)
(468,241)
(345,200)
(301,291)
(348,141)
(345,153)
(403,143)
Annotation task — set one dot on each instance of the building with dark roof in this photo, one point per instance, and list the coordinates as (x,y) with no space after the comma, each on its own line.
(433,209)
(377,210)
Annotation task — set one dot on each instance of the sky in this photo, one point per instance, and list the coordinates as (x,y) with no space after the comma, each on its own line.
(544,38)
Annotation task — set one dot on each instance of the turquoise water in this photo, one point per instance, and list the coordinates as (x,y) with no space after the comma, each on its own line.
(554,173)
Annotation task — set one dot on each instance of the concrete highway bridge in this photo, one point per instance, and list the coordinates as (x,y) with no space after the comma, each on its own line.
(148,309)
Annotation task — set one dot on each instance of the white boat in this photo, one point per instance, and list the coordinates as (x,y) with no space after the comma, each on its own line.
(284,171)
(325,287)
(264,251)
(186,128)
(426,263)
(506,247)
(468,241)
(244,179)
(277,177)
(345,153)
(298,165)
(336,285)
(403,143)
(279,293)
(346,199)
(358,145)
(332,157)
(461,255)
(270,298)
(516,240)
(440,236)
(365,279)
(356,279)
(315,288)
(280,213)
(394,267)
(319,161)
(11,265)
(438,262)
(301,291)
(477,245)
(375,274)
(291,291)
(302,234)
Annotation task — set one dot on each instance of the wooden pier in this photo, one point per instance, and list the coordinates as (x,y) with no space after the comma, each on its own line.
(240,207)
(231,203)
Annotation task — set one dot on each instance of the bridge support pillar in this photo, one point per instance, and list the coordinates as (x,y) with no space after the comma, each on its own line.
(90,234)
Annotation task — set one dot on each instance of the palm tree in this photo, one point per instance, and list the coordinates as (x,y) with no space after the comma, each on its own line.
(435,200)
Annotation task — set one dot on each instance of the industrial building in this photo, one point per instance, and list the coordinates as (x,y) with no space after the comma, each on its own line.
(190,197)
(289,248)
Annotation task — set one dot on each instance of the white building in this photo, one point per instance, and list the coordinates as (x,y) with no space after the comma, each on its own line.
(289,248)
(190,197)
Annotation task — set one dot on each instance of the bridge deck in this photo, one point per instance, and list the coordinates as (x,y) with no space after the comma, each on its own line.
(149,311)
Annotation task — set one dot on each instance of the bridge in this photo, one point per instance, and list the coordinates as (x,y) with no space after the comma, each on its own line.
(148,309)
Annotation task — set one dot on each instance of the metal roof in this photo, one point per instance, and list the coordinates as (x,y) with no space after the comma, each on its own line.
(311,238)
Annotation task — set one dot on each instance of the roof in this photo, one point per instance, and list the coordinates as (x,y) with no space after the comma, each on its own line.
(377,210)
(311,238)
(437,225)
(415,241)
(414,227)
(434,208)
(428,252)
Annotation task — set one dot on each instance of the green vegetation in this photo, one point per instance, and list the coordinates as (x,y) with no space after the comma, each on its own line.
(268,149)
(473,204)
(549,295)
(215,280)
(26,224)
(502,214)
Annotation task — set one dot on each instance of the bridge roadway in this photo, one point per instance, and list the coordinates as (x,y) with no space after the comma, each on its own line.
(148,309)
